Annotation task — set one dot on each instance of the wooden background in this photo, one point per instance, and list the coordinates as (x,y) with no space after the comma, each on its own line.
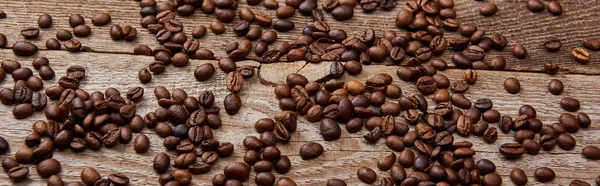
(112,65)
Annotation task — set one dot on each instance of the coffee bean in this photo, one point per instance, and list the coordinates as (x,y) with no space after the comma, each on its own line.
(569,104)
(386,162)
(535,6)
(48,167)
(570,122)
(45,21)
(512,85)
(488,9)
(3,41)
(329,129)
(30,32)
(89,176)
(82,31)
(238,171)
(24,48)
(591,152)
(520,51)
(18,173)
(232,103)
(366,175)
(555,8)
(8,163)
(311,150)
(161,162)
(426,84)
(118,179)
(518,177)
(580,54)
(336,182)
(544,174)
(511,150)
(589,43)
(141,144)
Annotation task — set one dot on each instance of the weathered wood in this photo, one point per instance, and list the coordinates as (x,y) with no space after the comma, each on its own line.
(513,20)
(342,157)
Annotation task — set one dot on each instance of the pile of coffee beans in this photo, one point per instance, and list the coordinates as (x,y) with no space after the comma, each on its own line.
(26,92)
(189,133)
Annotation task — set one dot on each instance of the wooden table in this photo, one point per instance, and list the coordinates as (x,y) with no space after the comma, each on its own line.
(113,65)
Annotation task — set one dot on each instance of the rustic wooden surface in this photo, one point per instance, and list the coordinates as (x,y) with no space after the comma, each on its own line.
(113,66)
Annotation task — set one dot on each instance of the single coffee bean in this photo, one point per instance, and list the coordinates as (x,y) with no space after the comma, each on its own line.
(555,8)
(580,54)
(535,6)
(161,162)
(3,41)
(45,21)
(18,173)
(283,25)
(30,32)
(520,51)
(511,150)
(232,103)
(553,44)
(82,31)
(555,87)
(89,176)
(24,48)
(518,177)
(48,167)
(488,9)
(591,152)
(569,104)
(566,141)
(512,85)
(366,175)
(141,144)
(311,150)
(386,162)
(589,43)
(544,174)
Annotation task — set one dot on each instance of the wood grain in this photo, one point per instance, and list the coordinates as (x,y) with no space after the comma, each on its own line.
(342,157)
(513,20)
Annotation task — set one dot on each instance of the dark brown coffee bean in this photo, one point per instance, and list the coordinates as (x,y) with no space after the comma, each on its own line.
(544,174)
(89,176)
(18,173)
(555,87)
(232,103)
(569,104)
(311,150)
(488,9)
(45,21)
(161,162)
(511,150)
(535,6)
(366,175)
(30,32)
(82,31)
(3,41)
(24,48)
(141,144)
(512,85)
(591,152)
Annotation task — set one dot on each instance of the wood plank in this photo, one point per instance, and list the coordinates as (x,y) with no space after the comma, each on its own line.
(513,20)
(341,158)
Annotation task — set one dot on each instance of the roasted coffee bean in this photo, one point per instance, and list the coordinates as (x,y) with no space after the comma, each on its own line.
(520,51)
(3,41)
(569,104)
(73,45)
(18,173)
(82,31)
(311,150)
(511,150)
(141,144)
(535,6)
(591,44)
(30,32)
(366,175)
(580,54)
(330,130)
(591,152)
(24,48)
(283,25)
(566,141)
(512,85)
(488,9)
(584,120)
(89,176)
(232,103)
(544,174)
(555,87)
